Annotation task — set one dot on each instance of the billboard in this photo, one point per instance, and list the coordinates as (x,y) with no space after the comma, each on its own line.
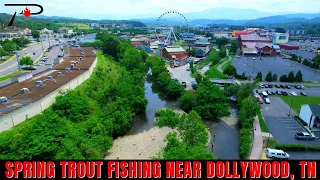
(281,38)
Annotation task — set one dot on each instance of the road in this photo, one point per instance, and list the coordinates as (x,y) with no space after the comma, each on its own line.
(12,64)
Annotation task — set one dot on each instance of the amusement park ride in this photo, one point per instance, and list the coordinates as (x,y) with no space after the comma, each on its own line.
(167,34)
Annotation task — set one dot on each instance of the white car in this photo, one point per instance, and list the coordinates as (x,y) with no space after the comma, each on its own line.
(253,58)
(293,93)
(26,52)
(276,153)
(267,100)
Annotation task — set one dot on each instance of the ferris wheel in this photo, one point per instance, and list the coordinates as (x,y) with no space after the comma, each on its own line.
(167,32)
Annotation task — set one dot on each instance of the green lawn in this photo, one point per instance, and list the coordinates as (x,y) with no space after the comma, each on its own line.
(263,126)
(214,73)
(4,58)
(299,100)
(9,75)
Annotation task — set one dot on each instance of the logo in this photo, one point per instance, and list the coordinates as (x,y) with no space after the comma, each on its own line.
(26,12)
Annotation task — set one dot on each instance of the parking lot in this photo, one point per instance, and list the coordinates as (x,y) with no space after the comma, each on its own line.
(276,64)
(182,75)
(281,126)
(308,91)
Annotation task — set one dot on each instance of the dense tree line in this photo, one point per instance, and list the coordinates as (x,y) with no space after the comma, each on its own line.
(192,139)
(8,46)
(314,63)
(83,122)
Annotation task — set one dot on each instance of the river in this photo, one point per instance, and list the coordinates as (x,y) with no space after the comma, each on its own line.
(226,137)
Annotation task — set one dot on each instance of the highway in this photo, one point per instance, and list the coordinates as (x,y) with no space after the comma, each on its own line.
(12,64)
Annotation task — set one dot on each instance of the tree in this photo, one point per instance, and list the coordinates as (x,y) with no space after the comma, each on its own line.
(35,33)
(234,46)
(284,78)
(223,52)
(191,65)
(221,41)
(316,59)
(110,46)
(269,77)
(187,101)
(291,77)
(199,78)
(280,30)
(191,52)
(26,60)
(274,77)
(299,76)
(144,55)
(9,46)
(2,52)
(230,70)
(259,76)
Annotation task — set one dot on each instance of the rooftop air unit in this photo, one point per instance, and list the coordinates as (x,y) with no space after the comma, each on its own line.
(67,69)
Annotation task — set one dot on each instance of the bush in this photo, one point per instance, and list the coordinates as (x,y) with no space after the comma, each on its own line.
(243,76)
(292,147)
(313,148)
(284,78)
(167,118)
(245,143)
(230,70)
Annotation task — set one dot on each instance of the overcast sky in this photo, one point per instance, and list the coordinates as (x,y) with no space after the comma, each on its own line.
(108,9)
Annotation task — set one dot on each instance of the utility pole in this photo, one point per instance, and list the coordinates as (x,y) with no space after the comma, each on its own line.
(290,106)
(15,50)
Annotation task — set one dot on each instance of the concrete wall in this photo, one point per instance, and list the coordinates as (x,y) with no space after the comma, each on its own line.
(20,115)
(305,113)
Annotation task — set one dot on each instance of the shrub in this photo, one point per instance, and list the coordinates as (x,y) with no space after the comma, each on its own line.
(167,118)
(245,142)
(292,147)
(313,148)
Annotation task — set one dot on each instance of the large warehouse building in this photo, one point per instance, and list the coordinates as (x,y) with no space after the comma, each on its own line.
(254,44)
(174,53)
(237,33)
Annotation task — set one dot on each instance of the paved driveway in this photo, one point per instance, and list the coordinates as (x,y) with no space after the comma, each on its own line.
(182,74)
(281,126)
(276,65)
(305,155)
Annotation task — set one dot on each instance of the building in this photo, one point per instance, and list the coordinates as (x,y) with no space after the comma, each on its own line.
(202,48)
(93,25)
(279,38)
(237,33)
(136,41)
(310,113)
(288,47)
(27,31)
(254,44)
(64,30)
(46,31)
(277,49)
(174,53)
(187,35)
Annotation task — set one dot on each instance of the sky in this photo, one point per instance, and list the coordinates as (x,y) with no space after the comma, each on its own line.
(125,9)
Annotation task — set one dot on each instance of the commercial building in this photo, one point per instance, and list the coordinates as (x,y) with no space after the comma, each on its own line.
(237,33)
(279,38)
(288,47)
(202,48)
(136,41)
(174,53)
(310,113)
(254,44)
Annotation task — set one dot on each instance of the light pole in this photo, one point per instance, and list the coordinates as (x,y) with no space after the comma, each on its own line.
(15,50)
(290,106)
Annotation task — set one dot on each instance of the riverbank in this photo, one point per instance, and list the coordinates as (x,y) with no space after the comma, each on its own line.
(144,145)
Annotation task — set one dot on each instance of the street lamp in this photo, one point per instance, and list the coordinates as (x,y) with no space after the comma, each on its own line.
(15,50)
(290,106)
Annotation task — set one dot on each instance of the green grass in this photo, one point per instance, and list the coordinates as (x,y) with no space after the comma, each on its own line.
(75,25)
(263,126)
(272,143)
(226,64)
(3,78)
(299,100)
(5,58)
(213,72)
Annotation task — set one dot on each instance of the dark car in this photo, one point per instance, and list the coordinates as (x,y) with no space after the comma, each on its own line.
(282,86)
(269,92)
(298,87)
(184,84)
(29,68)
(288,87)
(279,93)
(284,93)
(278,86)
(270,86)
(303,93)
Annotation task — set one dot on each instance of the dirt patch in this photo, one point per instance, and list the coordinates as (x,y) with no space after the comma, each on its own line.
(144,145)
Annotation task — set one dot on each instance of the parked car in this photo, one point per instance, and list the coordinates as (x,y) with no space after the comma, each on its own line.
(278,86)
(258,91)
(194,85)
(260,100)
(188,69)
(293,93)
(184,84)
(34,53)
(282,86)
(269,92)
(288,87)
(261,85)
(276,153)
(265,94)
(279,92)
(303,93)
(29,68)
(270,86)
(298,87)
(284,93)
(3,99)
(267,100)
(305,136)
